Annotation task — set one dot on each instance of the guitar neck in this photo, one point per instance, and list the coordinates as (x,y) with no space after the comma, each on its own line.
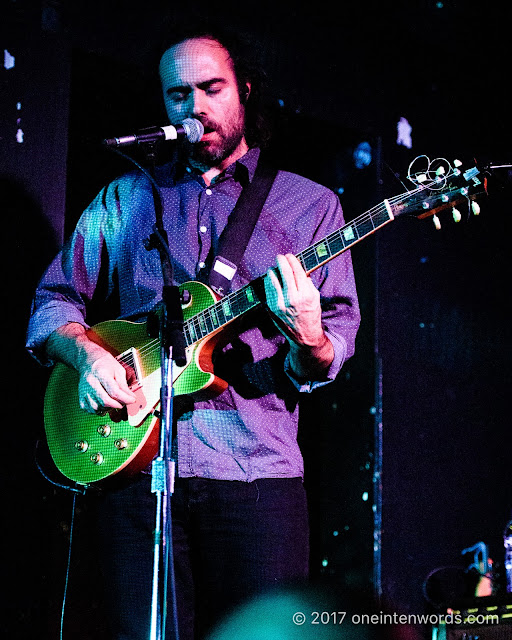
(342,239)
(220,314)
(237,303)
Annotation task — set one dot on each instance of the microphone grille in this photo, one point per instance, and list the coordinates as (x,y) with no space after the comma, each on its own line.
(193,129)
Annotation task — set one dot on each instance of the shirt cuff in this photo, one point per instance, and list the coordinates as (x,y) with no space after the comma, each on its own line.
(340,350)
(44,322)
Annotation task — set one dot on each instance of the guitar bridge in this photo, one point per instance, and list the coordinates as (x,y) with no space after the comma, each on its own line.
(131,362)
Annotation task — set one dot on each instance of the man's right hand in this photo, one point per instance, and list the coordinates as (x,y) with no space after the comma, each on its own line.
(103,384)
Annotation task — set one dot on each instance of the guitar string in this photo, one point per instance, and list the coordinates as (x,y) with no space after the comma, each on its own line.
(363,218)
(370,214)
(339,233)
(195,323)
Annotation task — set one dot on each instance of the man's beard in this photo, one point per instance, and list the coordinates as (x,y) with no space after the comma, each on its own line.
(211,153)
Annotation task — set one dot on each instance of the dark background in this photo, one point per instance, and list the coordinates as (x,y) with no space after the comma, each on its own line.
(426,399)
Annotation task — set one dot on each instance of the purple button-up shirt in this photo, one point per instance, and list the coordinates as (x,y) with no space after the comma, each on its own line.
(250,430)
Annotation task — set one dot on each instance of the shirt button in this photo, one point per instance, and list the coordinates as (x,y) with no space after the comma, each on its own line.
(208,192)
(202,265)
(202,229)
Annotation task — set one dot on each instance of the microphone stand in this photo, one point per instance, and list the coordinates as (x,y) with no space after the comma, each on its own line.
(169,317)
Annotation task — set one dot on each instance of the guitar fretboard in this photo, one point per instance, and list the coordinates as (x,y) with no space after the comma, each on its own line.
(209,320)
(239,302)
(340,240)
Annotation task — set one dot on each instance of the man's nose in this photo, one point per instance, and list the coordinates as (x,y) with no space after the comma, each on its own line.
(198,105)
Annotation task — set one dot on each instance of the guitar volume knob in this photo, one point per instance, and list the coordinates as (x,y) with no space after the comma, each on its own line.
(97,458)
(105,430)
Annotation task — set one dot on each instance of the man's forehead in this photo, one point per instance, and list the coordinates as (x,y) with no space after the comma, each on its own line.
(195,60)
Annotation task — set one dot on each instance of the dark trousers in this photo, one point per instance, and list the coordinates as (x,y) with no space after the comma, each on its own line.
(231,540)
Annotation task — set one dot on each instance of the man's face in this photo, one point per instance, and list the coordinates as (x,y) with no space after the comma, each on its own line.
(198,81)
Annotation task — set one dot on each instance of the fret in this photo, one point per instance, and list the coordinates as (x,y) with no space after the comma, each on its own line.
(235,304)
(220,313)
(364,227)
(208,320)
(381,217)
(186,331)
(197,328)
(336,243)
(310,260)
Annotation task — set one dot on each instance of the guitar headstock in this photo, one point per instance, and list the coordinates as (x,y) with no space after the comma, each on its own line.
(440,185)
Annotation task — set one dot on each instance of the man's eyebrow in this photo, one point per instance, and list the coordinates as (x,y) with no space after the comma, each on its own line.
(208,83)
(178,89)
(202,85)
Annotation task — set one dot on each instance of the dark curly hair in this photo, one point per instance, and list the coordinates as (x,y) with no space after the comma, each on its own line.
(245,56)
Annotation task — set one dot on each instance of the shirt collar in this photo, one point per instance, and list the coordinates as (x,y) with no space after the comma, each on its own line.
(242,170)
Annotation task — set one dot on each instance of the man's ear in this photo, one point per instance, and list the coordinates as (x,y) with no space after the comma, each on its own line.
(246,93)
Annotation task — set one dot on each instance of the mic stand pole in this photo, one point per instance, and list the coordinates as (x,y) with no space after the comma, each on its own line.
(172,347)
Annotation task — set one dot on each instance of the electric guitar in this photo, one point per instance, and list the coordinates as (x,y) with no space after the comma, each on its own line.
(89,448)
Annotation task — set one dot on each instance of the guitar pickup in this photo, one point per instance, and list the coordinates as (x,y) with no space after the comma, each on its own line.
(131,362)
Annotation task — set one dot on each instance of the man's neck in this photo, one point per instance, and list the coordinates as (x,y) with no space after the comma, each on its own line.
(210,173)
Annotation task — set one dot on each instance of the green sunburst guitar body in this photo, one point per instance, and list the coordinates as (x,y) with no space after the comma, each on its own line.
(88,448)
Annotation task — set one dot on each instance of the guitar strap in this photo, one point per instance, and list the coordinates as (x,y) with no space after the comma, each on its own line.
(238,230)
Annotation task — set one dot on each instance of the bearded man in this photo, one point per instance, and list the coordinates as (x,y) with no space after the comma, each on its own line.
(239,513)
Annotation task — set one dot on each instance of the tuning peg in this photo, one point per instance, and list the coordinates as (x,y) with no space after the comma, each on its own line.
(456,215)
(475,207)
(437,222)
(457,163)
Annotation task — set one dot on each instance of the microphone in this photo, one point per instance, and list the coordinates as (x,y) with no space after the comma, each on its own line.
(190,128)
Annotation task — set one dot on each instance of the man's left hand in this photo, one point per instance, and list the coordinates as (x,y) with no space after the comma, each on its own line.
(295,301)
